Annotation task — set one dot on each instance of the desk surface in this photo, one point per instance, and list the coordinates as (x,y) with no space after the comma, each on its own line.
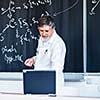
(41,97)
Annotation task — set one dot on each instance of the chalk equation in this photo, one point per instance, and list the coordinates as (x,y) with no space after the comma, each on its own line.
(22,28)
(95,4)
(11,54)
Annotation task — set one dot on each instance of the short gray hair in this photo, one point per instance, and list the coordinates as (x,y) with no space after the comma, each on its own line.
(46,20)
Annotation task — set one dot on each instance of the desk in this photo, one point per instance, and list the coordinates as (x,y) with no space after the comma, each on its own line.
(31,97)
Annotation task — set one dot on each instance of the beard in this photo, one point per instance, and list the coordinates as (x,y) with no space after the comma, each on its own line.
(45,39)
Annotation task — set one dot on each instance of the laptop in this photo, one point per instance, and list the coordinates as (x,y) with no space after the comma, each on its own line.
(39,82)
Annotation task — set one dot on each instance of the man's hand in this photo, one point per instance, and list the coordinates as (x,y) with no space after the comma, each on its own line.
(29,62)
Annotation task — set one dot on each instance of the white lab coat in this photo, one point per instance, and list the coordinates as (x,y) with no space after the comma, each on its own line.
(50,56)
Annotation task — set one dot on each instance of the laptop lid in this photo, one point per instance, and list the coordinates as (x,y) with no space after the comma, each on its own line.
(39,82)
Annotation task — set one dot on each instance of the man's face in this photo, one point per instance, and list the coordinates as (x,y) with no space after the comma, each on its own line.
(45,32)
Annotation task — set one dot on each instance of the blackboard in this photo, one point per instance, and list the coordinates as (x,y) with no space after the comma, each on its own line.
(93,36)
(19,34)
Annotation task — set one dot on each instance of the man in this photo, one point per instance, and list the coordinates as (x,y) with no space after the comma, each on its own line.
(51,50)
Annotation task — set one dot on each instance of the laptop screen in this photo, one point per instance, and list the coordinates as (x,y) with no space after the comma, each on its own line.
(39,82)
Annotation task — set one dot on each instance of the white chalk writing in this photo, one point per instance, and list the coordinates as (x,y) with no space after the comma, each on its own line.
(22,28)
(95,3)
(11,54)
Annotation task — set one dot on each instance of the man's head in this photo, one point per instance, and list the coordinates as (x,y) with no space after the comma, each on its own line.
(46,27)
